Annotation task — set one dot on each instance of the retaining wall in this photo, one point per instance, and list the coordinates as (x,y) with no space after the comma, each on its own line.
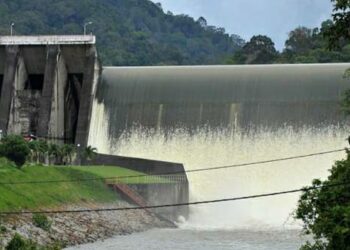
(174,192)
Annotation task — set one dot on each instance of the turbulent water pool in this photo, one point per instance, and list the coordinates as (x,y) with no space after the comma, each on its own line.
(198,239)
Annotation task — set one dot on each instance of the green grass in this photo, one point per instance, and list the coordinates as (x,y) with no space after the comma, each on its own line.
(51,195)
(109,171)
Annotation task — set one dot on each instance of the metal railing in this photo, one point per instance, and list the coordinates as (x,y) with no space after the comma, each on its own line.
(150,179)
(48,40)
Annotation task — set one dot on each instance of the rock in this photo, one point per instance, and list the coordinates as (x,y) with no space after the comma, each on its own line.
(73,229)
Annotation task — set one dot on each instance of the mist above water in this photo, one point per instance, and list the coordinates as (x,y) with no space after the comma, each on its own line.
(215,148)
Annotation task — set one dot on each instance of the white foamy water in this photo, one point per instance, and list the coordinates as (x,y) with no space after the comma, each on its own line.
(216,148)
(206,240)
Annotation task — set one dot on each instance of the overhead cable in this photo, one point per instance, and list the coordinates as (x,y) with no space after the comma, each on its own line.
(179,204)
(176,172)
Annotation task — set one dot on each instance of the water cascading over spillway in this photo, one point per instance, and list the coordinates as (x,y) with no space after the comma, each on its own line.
(208,116)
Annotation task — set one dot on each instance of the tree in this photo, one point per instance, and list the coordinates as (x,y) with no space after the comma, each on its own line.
(259,50)
(301,40)
(15,148)
(117,24)
(325,210)
(339,31)
(53,153)
(306,45)
(38,150)
(202,22)
(34,151)
(68,151)
(90,152)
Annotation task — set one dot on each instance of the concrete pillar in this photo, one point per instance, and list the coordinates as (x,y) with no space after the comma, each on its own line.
(48,91)
(21,76)
(57,117)
(90,79)
(8,88)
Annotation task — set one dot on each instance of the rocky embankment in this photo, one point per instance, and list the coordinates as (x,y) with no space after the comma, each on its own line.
(79,228)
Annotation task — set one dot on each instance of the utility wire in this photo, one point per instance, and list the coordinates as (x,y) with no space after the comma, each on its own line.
(179,204)
(177,172)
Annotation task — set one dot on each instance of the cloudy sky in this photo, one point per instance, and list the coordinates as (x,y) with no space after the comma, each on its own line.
(246,18)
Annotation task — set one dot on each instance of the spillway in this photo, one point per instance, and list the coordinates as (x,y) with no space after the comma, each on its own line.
(208,116)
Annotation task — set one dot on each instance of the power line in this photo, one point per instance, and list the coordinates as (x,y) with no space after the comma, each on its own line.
(176,172)
(179,204)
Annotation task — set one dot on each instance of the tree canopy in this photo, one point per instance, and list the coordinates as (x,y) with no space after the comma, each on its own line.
(129,32)
(259,50)
(339,32)
(304,45)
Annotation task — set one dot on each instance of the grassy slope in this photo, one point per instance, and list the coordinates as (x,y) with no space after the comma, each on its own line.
(108,171)
(31,196)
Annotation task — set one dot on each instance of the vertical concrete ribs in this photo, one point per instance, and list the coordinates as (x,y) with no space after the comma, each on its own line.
(8,85)
(47,86)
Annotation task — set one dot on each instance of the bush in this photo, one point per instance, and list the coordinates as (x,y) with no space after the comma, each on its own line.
(41,221)
(14,148)
(2,229)
(18,243)
(325,210)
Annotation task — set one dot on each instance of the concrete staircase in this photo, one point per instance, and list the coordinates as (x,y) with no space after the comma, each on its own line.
(131,194)
(138,200)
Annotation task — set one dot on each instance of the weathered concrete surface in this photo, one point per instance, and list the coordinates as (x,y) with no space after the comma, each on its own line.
(21,77)
(59,72)
(164,194)
(137,164)
(48,91)
(92,69)
(174,192)
(7,92)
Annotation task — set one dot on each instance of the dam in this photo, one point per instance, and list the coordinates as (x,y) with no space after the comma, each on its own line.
(210,116)
(192,116)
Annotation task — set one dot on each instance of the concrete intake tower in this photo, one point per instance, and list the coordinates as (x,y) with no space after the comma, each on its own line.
(47,86)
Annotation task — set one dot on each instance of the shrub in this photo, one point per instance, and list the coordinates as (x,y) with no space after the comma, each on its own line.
(14,148)
(18,243)
(41,221)
(325,209)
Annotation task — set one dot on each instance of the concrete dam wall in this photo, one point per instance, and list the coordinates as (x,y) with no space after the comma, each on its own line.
(227,98)
(210,116)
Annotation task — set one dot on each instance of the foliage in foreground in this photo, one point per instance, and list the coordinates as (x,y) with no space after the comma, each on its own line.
(41,221)
(18,243)
(14,148)
(18,150)
(325,211)
(339,31)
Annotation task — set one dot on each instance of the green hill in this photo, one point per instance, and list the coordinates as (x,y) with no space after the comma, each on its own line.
(129,32)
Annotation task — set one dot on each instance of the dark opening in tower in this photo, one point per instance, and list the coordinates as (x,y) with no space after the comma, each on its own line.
(35,82)
(1,79)
(72,103)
